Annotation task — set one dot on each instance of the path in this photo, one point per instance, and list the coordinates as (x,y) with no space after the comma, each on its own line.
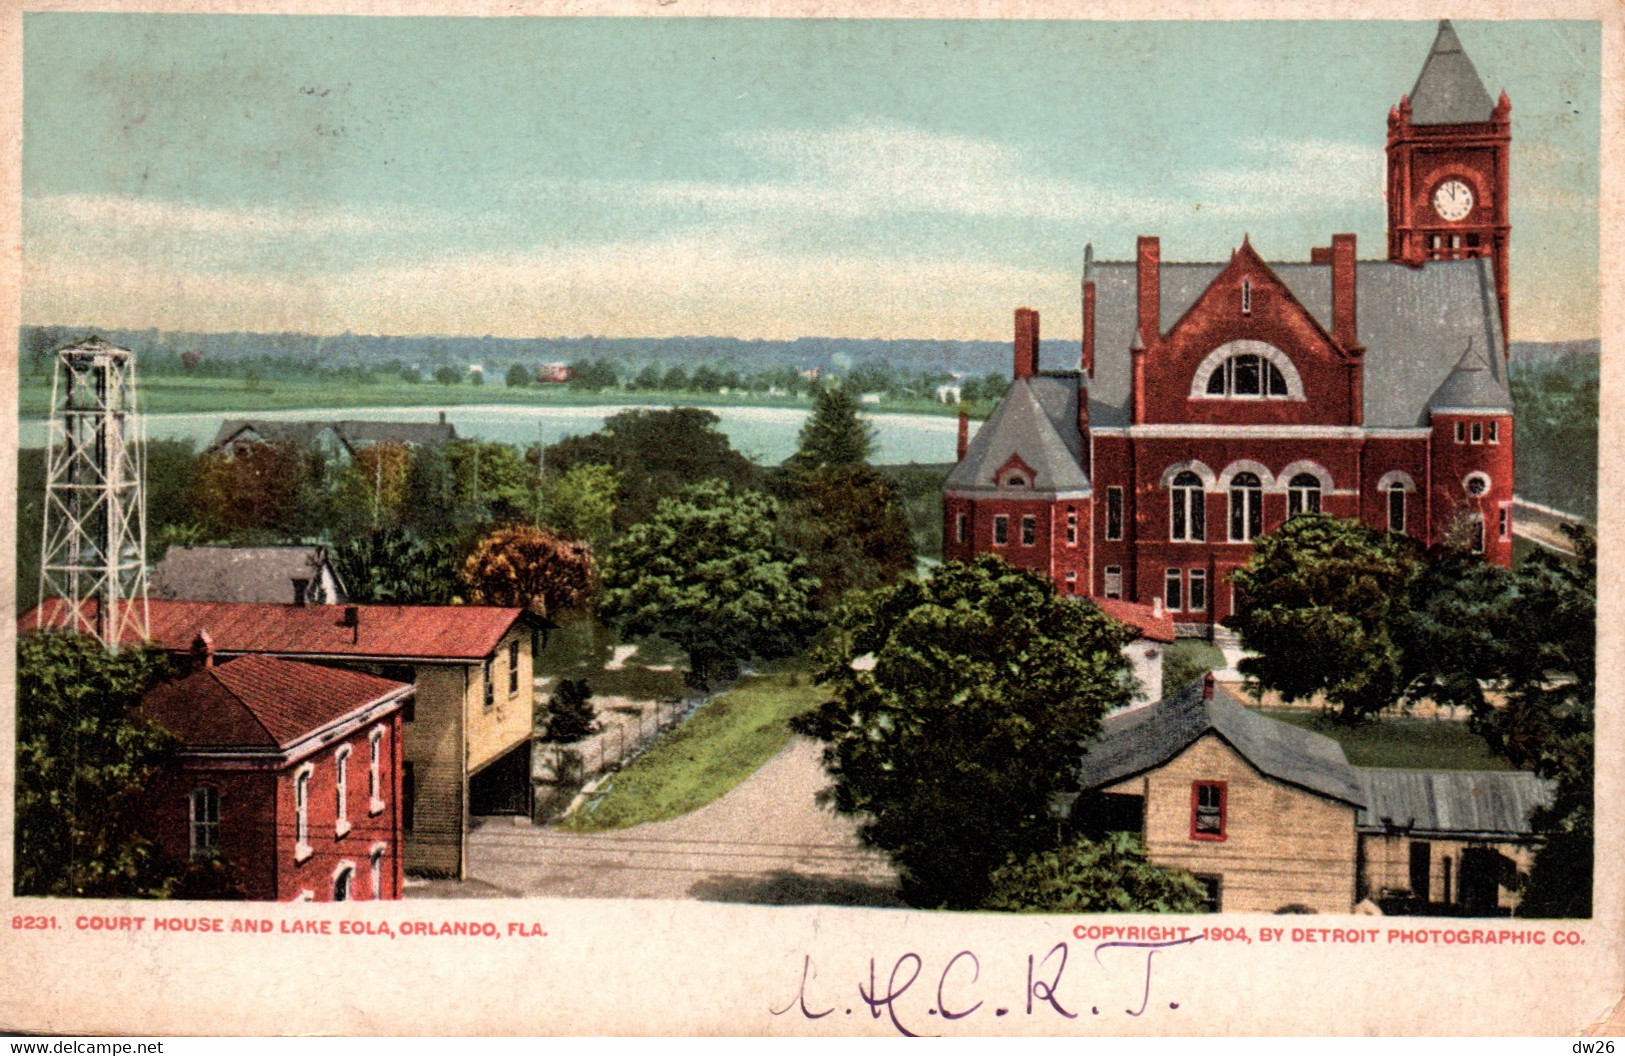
(766,841)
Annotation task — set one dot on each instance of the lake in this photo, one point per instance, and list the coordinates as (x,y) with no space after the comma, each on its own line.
(764,434)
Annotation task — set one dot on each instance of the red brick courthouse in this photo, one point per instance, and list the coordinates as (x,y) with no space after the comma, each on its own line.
(1212,401)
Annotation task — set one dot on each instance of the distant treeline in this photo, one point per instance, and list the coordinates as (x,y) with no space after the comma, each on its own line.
(1556,403)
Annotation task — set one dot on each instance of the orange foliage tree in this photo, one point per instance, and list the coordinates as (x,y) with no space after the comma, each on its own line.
(531,568)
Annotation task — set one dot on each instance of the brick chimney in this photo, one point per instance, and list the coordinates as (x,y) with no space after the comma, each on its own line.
(1087,356)
(1026,343)
(1344,331)
(1207,686)
(1083,429)
(203,649)
(964,434)
(1148,268)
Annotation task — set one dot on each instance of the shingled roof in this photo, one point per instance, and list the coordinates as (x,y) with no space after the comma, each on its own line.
(1467,804)
(1448,90)
(1036,421)
(353,433)
(262,702)
(1135,741)
(404,632)
(1472,386)
(238,573)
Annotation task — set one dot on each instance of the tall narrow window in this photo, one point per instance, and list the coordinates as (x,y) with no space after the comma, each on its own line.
(513,667)
(301,815)
(341,882)
(1207,810)
(205,822)
(1475,530)
(1492,432)
(1396,507)
(1187,513)
(1506,522)
(341,791)
(1029,530)
(1246,507)
(1071,582)
(1198,592)
(1001,529)
(1303,494)
(409,796)
(1172,590)
(1113,585)
(1071,528)
(375,867)
(961,527)
(1478,432)
(1461,433)
(490,687)
(1246,296)
(1114,512)
(375,771)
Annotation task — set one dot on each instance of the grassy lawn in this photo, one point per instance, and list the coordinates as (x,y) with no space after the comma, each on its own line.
(1401,744)
(1188,659)
(719,746)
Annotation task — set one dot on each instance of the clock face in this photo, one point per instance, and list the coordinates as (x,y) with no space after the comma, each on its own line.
(1453,200)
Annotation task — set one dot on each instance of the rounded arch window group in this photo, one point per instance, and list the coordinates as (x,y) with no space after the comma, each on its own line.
(1244,484)
(1247,370)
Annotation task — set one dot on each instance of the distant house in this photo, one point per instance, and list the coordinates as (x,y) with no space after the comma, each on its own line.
(288,773)
(1272,818)
(287,575)
(1155,632)
(952,392)
(554,374)
(339,440)
(466,735)
(870,397)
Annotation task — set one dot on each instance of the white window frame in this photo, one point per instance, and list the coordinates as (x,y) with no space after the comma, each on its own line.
(1001,529)
(1505,525)
(375,771)
(961,527)
(1297,495)
(204,832)
(1478,433)
(1252,509)
(1071,582)
(1266,352)
(345,871)
(513,668)
(1112,581)
(1183,501)
(1173,590)
(1492,432)
(375,868)
(341,791)
(1196,576)
(1071,527)
(301,813)
(1114,512)
(1029,529)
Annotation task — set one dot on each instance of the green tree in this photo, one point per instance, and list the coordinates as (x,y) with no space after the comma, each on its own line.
(395,566)
(1316,605)
(948,751)
(676,380)
(580,502)
(1108,875)
(518,376)
(448,375)
(84,756)
(256,491)
(647,378)
(569,715)
(833,435)
(532,569)
(709,572)
(850,524)
(490,481)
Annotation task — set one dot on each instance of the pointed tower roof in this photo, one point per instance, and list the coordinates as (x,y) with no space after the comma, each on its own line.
(1448,91)
(1020,427)
(1472,386)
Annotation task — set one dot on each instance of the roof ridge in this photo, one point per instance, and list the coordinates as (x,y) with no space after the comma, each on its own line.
(214,671)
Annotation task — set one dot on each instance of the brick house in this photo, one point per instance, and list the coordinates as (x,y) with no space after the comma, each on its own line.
(288,773)
(466,732)
(1212,401)
(1272,817)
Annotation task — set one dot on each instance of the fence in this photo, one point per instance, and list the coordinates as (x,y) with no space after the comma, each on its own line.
(560,770)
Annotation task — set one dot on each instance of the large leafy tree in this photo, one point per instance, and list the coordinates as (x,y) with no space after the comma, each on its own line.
(371,490)
(985,686)
(1315,604)
(395,566)
(1106,875)
(580,502)
(530,568)
(833,434)
(709,572)
(256,491)
(851,525)
(656,452)
(84,757)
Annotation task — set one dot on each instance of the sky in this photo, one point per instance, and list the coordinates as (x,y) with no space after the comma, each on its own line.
(754,178)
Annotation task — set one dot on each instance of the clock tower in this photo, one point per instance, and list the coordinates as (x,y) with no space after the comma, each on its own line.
(1448,154)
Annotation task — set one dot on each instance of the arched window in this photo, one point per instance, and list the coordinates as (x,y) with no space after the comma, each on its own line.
(1303,494)
(341,882)
(1187,512)
(205,822)
(1396,507)
(1246,507)
(1247,375)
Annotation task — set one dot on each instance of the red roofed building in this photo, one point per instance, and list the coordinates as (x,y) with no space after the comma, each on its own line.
(288,773)
(467,731)
(1155,632)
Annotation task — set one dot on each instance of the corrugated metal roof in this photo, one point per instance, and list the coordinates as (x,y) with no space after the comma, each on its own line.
(263,574)
(1133,742)
(1451,802)
(261,701)
(1448,90)
(452,632)
(1031,422)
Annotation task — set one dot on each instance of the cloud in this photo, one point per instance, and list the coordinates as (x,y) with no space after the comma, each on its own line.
(1303,175)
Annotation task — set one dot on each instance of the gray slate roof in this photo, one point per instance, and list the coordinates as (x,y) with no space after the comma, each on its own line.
(1141,739)
(1462,803)
(1448,90)
(353,433)
(1472,387)
(1413,322)
(1038,420)
(257,574)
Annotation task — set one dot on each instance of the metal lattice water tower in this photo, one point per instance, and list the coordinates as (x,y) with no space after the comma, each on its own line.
(93,554)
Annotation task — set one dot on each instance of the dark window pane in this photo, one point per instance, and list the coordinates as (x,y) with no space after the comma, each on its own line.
(1215,381)
(1245,375)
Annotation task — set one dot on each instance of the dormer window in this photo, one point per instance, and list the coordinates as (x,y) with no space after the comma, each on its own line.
(1247,375)
(1015,480)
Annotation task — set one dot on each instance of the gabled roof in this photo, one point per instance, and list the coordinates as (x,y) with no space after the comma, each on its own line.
(1155,624)
(353,433)
(1448,90)
(1472,386)
(272,432)
(236,573)
(421,632)
(1133,742)
(1037,422)
(1462,803)
(1412,321)
(262,702)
